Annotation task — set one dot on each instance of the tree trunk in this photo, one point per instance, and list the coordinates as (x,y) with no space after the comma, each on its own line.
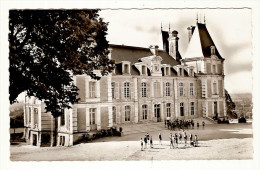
(55,132)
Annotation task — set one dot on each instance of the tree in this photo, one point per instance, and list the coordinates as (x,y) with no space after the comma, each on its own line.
(47,47)
(231,106)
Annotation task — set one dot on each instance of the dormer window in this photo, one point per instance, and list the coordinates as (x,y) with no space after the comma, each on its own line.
(126,68)
(191,72)
(180,72)
(213,50)
(156,67)
(167,71)
(144,70)
(214,69)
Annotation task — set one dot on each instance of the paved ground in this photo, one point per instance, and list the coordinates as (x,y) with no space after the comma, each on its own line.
(216,142)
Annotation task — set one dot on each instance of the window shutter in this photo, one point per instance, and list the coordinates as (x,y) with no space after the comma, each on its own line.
(116,90)
(132,113)
(148,89)
(208,68)
(184,89)
(164,89)
(171,89)
(123,114)
(220,88)
(209,88)
(139,88)
(132,94)
(195,88)
(122,91)
(219,69)
(149,109)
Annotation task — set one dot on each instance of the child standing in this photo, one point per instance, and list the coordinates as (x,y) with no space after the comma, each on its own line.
(190,138)
(145,142)
(160,138)
(142,144)
(151,142)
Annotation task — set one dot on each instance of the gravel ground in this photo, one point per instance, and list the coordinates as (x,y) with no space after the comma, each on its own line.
(222,149)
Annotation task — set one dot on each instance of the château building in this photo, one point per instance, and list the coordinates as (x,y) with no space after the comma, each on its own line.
(147,85)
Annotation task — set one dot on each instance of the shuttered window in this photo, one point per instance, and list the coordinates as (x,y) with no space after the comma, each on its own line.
(157,90)
(168,90)
(127,90)
(144,93)
(215,88)
(114,114)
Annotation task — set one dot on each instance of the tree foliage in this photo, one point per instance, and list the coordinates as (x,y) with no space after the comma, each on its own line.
(231,106)
(47,47)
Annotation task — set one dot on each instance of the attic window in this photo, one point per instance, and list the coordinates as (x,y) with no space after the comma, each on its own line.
(144,70)
(156,67)
(213,50)
(191,72)
(126,68)
(167,71)
(181,72)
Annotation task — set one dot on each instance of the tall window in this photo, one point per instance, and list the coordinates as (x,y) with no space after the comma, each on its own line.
(62,118)
(113,89)
(127,89)
(144,110)
(157,90)
(114,114)
(181,109)
(181,89)
(191,108)
(144,90)
(92,89)
(92,112)
(168,109)
(215,88)
(168,90)
(30,114)
(127,113)
(191,89)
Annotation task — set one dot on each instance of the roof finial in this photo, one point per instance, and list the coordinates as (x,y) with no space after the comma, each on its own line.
(204,19)
(169,27)
(197,18)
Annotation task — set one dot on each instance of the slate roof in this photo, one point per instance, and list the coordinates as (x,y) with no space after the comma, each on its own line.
(206,41)
(133,54)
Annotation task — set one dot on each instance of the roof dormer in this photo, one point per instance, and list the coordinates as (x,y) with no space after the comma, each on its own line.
(126,67)
(166,70)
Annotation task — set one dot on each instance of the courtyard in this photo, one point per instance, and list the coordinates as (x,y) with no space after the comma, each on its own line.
(216,142)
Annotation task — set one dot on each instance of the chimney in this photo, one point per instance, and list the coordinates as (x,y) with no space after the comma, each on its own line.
(154,49)
(190,31)
(173,45)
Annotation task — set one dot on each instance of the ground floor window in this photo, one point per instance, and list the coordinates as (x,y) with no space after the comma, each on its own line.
(168,109)
(181,109)
(92,116)
(191,108)
(144,110)
(127,113)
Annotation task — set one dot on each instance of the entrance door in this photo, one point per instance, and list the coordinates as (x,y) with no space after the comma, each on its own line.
(216,109)
(34,140)
(157,112)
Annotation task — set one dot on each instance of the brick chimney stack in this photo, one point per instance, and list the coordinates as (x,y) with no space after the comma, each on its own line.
(173,45)
(154,49)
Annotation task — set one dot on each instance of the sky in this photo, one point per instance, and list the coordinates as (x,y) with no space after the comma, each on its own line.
(230,29)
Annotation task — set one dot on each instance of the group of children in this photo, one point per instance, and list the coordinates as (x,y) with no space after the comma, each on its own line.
(174,140)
